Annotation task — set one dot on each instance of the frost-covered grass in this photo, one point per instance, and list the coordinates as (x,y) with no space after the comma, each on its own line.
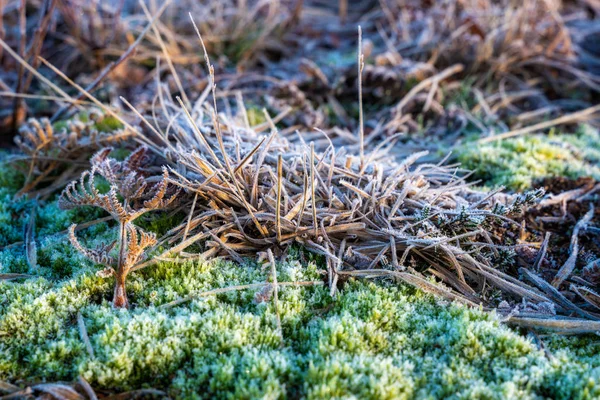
(374,340)
(517,163)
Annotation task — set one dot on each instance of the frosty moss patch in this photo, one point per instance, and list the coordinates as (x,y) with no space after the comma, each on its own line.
(372,341)
(518,163)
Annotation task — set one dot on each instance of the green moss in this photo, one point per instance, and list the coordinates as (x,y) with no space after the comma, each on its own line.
(11,180)
(50,225)
(255,115)
(10,212)
(377,340)
(108,124)
(102,123)
(517,163)
(11,209)
(160,222)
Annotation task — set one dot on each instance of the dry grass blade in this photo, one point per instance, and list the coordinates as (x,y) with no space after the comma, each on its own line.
(11,276)
(542,253)
(275,294)
(138,394)
(8,388)
(87,388)
(412,280)
(189,219)
(578,116)
(557,325)
(58,391)
(361,132)
(556,296)
(569,265)
(249,156)
(84,335)
(30,244)
(588,295)
(236,288)
(278,205)
(313,196)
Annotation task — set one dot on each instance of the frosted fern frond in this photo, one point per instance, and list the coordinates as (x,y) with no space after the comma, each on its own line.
(35,136)
(136,160)
(129,195)
(99,255)
(159,201)
(82,193)
(48,148)
(85,193)
(137,243)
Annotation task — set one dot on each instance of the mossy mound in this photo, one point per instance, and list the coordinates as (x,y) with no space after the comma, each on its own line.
(374,340)
(518,162)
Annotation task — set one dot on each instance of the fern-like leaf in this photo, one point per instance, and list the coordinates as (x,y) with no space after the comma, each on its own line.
(138,242)
(99,255)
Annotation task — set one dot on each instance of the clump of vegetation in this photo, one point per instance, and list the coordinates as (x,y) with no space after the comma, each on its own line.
(495,38)
(368,215)
(51,149)
(357,194)
(129,196)
(518,163)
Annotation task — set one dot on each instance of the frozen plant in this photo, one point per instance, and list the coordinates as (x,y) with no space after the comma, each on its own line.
(129,196)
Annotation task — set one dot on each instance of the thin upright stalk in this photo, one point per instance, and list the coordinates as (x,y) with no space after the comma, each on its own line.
(361,125)
(120,295)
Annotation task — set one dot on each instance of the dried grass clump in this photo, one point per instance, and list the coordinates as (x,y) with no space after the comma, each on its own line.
(241,30)
(518,61)
(28,39)
(130,196)
(423,220)
(92,40)
(367,218)
(47,148)
(91,27)
(370,218)
(252,193)
(498,39)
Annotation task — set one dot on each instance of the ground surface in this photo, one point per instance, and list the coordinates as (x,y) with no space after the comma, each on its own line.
(374,340)
(441,80)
